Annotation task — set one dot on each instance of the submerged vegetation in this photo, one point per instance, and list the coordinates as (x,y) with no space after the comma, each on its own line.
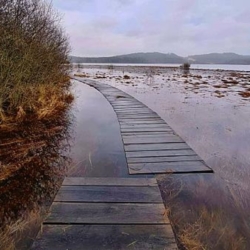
(204,213)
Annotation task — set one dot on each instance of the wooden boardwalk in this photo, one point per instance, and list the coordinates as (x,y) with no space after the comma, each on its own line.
(122,213)
(151,146)
(107,213)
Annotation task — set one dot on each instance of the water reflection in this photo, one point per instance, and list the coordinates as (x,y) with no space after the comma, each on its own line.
(35,153)
(85,142)
(96,146)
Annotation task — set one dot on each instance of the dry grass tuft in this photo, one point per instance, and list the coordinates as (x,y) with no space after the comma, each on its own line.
(201,221)
(210,229)
(13,233)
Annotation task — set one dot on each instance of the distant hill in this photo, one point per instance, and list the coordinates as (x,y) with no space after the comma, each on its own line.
(161,58)
(153,57)
(219,58)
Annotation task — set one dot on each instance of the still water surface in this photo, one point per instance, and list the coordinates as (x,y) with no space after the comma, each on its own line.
(193,66)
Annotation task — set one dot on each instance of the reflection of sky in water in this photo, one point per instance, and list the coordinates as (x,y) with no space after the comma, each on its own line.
(97,148)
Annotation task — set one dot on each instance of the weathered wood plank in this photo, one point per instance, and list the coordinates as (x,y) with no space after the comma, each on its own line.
(125,106)
(109,194)
(141,126)
(168,167)
(146,122)
(138,113)
(127,109)
(151,115)
(128,105)
(151,147)
(164,159)
(105,237)
(160,153)
(134,119)
(151,139)
(107,213)
(145,131)
(109,181)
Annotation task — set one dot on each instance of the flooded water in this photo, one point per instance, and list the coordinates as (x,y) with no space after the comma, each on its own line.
(193,66)
(97,147)
(207,110)
(216,126)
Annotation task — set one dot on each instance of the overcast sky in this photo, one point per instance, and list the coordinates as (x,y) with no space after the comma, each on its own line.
(184,27)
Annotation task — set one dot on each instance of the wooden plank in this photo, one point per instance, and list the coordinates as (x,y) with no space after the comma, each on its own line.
(127,109)
(131,105)
(164,159)
(122,99)
(138,116)
(144,113)
(151,147)
(160,153)
(146,131)
(127,103)
(149,135)
(107,213)
(109,194)
(154,134)
(136,112)
(105,237)
(126,106)
(141,126)
(130,122)
(168,167)
(109,181)
(151,139)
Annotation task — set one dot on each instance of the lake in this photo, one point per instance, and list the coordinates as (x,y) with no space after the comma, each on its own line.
(193,66)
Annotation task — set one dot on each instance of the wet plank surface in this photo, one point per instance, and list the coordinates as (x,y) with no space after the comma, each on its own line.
(106,237)
(108,194)
(134,182)
(151,145)
(107,213)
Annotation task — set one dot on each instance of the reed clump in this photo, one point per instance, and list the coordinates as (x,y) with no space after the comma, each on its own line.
(201,221)
(33,61)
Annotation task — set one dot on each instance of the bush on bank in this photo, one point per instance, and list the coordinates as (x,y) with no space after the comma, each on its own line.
(33,61)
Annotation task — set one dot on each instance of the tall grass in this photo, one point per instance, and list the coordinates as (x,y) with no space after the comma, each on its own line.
(204,214)
(33,58)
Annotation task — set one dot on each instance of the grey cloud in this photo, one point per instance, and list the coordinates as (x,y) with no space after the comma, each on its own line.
(110,27)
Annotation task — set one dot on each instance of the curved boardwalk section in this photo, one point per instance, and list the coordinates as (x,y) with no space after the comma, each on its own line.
(151,146)
(121,213)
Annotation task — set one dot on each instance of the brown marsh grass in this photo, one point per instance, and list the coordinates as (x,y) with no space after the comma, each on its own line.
(204,213)
(33,61)
(11,236)
(34,98)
